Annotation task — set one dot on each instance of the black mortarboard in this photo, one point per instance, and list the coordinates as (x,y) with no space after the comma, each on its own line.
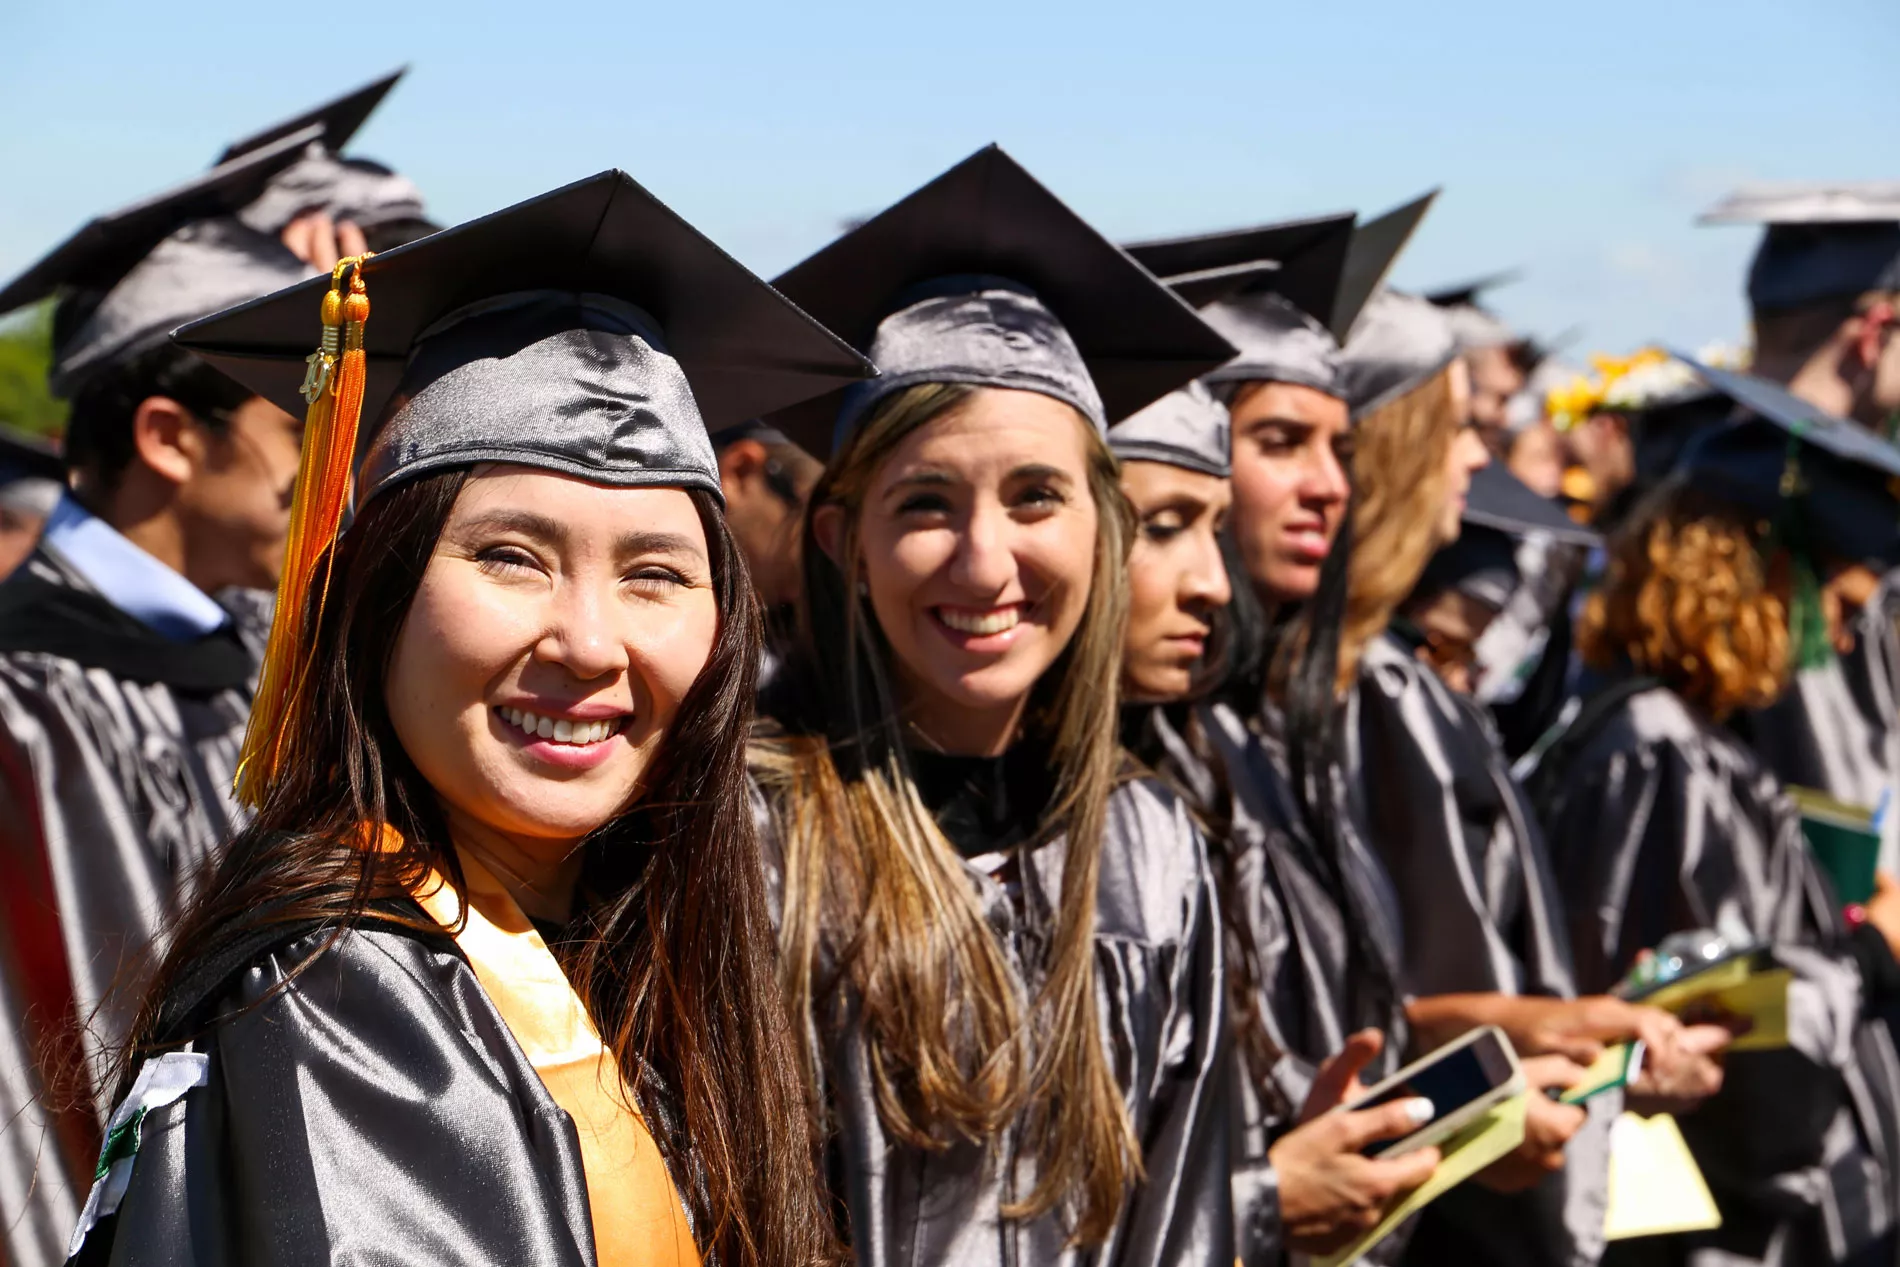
(1823,241)
(336,121)
(1399,343)
(1501,501)
(1466,294)
(1472,324)
(1780,453)
(1481,564)
(1299,260)
(107,247)
(1185,428)
(1376,244)
(590,331)
(984,277)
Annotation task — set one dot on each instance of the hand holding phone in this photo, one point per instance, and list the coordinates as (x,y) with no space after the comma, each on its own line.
(1330,1192)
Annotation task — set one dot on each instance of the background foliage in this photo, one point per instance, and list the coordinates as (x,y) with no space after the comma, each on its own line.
(26,343)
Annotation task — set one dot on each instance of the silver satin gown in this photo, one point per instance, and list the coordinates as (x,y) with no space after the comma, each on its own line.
(1665,822)
(117,754)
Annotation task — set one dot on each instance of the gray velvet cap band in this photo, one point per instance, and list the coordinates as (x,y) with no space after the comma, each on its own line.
(362,192)
(1278,344)
(581,384)
(204,267)
(1400,342)
(981,331)
(1186,428)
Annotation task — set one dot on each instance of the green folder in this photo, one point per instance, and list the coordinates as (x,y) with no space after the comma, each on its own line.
(1842,839)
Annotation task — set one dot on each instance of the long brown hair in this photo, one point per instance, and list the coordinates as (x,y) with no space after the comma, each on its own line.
(674,959)
(1688,600)
(1399,488)
(875,894)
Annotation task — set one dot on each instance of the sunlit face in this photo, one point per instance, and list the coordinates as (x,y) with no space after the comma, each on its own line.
(1466,456)
(1177,579)
(977,544)
(236,504)
(1537,457)
(1289,484)
(557,626)
(1495,378)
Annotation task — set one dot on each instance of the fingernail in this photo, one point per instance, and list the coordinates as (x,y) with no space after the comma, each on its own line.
(1420,1110)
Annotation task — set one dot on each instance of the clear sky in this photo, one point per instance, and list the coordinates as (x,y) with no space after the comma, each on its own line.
(1576,141)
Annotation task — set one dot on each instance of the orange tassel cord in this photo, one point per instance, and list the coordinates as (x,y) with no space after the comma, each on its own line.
(333,389)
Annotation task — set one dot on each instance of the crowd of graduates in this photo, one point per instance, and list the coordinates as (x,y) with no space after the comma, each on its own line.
(525,743)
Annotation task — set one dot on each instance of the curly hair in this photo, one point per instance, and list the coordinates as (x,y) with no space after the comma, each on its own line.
(1689,599)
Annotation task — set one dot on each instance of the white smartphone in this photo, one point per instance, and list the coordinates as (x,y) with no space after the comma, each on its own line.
(1463,1079)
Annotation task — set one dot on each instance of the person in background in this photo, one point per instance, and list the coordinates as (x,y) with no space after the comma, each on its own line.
(1660,821)
(130,637)
(1001,940)
(1822,293)
(1174,461)
(1498,359)
(766,479)
(31,480)
(1307,983)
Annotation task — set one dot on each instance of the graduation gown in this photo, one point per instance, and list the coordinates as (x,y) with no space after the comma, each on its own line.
(375,1110)
(1161,1009)
(1661,821)
(1299,931)
(117,752)
(1429,787)
(1837,728)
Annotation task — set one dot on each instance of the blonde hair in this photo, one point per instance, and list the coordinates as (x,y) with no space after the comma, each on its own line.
(874,893)
(1399,488)
(1688,600)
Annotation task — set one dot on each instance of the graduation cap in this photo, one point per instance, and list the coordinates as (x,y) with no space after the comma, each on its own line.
(1466,294)
(1500,501)
(103,250)
(1375,248)
(1399,343)
(589,331)
(335,121)
(1299,260)
(1481,564)
(1823,241)
(984,277)
(1780,457)
(1185,428)
(32,476)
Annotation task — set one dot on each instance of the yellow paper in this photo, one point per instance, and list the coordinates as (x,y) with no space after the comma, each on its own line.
(1462,1156)
(1655,1185)
(1761,996)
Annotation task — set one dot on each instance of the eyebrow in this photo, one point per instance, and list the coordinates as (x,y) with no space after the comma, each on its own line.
(543,528)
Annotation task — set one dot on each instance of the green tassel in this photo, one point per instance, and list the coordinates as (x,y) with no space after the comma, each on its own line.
(1808,639)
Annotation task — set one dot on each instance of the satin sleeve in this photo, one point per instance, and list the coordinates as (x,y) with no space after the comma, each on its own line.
(1182,1211)
(373,1111)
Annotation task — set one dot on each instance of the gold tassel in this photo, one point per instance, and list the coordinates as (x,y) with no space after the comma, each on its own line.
(333,390)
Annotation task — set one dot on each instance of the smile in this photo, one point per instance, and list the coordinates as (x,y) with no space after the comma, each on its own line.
(561,730)
(981,623)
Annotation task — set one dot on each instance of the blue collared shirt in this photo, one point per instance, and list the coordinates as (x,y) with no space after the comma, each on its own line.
(127,576)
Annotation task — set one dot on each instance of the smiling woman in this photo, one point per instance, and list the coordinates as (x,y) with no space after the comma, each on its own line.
(999,938)
(489,979)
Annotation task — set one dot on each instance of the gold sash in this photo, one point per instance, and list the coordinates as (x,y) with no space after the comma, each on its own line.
(639,1220)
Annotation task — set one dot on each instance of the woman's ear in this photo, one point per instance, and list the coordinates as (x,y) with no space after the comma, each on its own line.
(827,527)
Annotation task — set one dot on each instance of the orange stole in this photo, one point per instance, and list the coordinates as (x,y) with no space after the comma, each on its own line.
(639,1220)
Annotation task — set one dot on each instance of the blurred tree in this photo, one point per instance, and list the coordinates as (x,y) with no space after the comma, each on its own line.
(26,352)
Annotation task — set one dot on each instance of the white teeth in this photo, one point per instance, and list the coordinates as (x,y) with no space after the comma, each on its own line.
(982,623)
(560,730)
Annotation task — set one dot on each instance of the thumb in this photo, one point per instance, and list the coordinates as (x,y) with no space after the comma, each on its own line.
(1884,883)
(1339,1076)
(1388,1121)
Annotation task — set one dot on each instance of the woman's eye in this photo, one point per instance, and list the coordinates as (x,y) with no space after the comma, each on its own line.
(506,559)
(1163,527)
(655,575)
(924,504)
(1040,497)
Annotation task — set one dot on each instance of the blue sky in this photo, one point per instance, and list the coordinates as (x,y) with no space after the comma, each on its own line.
(1574,141)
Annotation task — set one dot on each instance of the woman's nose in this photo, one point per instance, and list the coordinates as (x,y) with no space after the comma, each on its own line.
(583,635)
(1205,582)
(984,562)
